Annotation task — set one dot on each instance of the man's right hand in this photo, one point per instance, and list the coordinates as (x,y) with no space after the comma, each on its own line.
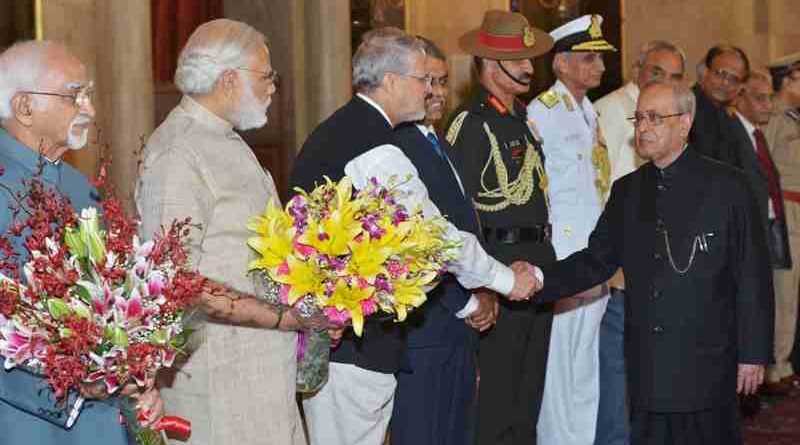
(525,282)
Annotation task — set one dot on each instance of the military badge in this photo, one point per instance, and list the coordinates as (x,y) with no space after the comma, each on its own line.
(594,29)
(549,98)
(528,37)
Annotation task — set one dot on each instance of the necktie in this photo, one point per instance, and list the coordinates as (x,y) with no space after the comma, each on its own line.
(772,172)
(435,142)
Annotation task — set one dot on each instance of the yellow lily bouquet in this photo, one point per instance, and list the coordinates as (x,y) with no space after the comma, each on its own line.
(349,255)
(341,256)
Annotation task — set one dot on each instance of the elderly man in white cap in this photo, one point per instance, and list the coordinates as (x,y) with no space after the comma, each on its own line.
(578,168)
(238,386)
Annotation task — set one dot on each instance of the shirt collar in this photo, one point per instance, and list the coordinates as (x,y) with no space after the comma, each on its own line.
(375,105)
(676,166)
(748,126)
(204,115)
(426,130)
(26,157)
(585,105)
(632,90)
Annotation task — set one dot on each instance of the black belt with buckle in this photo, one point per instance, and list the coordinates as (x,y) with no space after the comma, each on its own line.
(515,235)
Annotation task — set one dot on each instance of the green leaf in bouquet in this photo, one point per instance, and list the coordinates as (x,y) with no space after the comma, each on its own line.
(119,337)
(81,310)
(58,308)
(159,337)
(73,241)
(82,293)
(65,332)
(179,341)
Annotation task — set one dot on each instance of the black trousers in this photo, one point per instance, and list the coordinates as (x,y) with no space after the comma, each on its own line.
(512,360)
(718,426)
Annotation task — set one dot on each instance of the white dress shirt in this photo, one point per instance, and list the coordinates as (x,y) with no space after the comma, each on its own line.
(750,128)
(613,110)
(474,267)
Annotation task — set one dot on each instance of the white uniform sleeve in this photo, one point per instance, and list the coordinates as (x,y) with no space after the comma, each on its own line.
(474,267)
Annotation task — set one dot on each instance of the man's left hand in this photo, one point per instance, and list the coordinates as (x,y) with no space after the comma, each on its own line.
(485,316)
(748,379)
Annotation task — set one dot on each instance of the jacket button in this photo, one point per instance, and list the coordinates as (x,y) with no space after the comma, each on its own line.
(657,256)
(656,294)
(658,329)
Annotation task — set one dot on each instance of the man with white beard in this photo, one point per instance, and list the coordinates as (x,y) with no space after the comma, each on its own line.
(238,385)
(45,110)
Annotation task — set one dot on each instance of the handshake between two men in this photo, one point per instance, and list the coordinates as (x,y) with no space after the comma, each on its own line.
(527,281)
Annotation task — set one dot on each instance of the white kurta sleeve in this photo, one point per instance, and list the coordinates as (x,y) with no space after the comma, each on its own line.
(474,267)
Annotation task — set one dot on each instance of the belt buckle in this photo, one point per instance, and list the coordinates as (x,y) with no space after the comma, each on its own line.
(509,236)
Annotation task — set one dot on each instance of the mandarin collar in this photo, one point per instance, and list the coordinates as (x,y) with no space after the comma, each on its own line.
(28,158)
(205,116)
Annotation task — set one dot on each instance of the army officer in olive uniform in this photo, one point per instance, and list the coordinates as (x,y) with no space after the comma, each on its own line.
(504,175)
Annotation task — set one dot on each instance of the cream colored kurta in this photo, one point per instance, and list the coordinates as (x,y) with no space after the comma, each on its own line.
(238,385)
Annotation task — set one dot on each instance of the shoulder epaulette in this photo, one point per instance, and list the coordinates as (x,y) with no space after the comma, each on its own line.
(549,98)
(455,128)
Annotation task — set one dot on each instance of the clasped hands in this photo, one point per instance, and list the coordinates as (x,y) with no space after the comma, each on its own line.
(148,398)
(525,281)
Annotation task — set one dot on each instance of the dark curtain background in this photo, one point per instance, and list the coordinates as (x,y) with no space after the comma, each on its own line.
(547,15)
(16,21)
(173,23)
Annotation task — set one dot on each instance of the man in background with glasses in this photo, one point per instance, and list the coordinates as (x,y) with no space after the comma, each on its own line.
(45,110)
(435,397)
(698,298)
(658,61)
(714,132)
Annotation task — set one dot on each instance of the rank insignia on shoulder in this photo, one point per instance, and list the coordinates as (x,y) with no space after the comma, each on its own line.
(455,128)
(568,102)
(549,98)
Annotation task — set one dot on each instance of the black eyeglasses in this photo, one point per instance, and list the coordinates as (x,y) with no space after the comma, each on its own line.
(721,74)
(441,81)
(651,117)
(81,97)
(271,75)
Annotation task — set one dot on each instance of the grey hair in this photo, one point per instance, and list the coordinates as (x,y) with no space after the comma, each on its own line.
(660,45)
(23,67)
(431,49)
(383,50)
(761,74)
(213,48)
